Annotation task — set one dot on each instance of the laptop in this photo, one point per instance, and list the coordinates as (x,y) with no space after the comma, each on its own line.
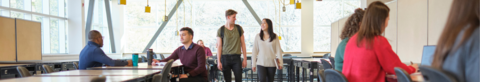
(427,56)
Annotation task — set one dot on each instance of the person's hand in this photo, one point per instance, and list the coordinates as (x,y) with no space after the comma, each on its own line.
(155,61)
(219,65)
(183,76)
(244,64)
(254,69)
(280,67)
(130,63)
(415,66)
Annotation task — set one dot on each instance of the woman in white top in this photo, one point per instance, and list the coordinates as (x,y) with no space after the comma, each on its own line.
(266,49)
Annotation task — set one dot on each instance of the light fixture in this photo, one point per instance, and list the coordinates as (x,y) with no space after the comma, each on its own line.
(147,8)
(284,9)
(298,5)
(165,18)
(122,2)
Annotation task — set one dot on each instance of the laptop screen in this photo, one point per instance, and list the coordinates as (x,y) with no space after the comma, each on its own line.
(427,56)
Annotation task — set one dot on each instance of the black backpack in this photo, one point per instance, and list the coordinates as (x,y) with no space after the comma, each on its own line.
(222,31)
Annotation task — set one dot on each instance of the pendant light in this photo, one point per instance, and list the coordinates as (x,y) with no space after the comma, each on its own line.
(147,8)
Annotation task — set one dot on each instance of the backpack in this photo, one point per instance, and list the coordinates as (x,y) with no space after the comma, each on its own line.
(222,31)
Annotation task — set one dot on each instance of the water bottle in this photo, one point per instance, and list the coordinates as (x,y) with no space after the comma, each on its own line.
(135,59)
(149,56)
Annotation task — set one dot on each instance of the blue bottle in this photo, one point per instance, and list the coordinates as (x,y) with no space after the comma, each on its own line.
(135,59)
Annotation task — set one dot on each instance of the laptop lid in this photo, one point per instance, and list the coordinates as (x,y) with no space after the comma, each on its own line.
(427,56)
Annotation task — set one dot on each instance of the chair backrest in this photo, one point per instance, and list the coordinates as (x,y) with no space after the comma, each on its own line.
(47,69)
(436,75)
(332,75)
(321,75)
(332,61)
(23,72)
(326,55)
(402,75)
(325,64)
(75,65)
(166,71)
(144,59)
(162,56)
(99,79)
(287,55)
(155,56)
(156,78)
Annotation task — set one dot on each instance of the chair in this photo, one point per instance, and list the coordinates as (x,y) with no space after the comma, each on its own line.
(47,69)
(154,56)
(23,72)
(325,64)
(332,61)
(165,75)
(326,55)
(436,75)
(144,59)
(332,75)
(402,75)
(99,79)
(75,65)
(162,56)
(321,75)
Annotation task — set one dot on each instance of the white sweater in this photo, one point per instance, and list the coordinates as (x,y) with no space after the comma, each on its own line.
(264,52)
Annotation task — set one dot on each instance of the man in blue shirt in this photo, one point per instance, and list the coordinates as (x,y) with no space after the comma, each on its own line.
(93,56)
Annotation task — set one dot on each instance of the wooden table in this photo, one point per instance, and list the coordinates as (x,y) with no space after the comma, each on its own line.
(71,79)
(103,72)
(141,66)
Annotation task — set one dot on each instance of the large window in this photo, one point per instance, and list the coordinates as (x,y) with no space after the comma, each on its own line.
(206,17)
(51,14)
(327,12)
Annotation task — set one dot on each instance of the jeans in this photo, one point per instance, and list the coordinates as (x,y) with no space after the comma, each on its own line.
(266,74)
(232,63)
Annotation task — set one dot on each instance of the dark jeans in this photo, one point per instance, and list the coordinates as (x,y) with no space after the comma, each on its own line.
(232,63)
(190,79)
(266,74)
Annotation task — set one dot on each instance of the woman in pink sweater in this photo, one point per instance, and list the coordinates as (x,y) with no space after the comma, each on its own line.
(368,55)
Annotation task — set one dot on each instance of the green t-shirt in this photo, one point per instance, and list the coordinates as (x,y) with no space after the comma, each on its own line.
(231,40)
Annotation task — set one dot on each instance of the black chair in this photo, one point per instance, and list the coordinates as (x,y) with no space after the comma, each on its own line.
(332,75)
(99,79)
(436,75)
(332,61)
(165,75)
(402,75)
(162,56)
(325,64)
(47,69)
(326,55)
(75,65)
(144,59)
(23,72)
(154,56)
(321,75)
(287,55)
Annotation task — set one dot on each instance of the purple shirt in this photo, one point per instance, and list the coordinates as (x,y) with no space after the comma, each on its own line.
(192,58)
(208,52)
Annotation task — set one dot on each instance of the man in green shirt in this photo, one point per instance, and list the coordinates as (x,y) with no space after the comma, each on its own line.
(230,41)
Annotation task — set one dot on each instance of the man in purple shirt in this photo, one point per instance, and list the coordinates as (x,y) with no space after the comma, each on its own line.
(192,57)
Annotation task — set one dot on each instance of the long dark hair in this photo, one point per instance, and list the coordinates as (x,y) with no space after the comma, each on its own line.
(270,30)
(372,23)
(353,24)
(463,13)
